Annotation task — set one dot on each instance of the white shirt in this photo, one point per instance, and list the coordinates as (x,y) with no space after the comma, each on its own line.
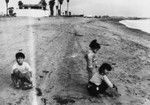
(24,68)
(97,79)
(107,81)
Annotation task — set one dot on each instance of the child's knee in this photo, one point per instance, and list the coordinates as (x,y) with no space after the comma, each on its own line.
(15,71)
(14,74)
(29,74)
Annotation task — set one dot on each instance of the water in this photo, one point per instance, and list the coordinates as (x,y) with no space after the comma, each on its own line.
(143,25)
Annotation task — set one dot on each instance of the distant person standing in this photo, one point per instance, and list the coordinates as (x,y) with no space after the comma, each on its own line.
(21,72)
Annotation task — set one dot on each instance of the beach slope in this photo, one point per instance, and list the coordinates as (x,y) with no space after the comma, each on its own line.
(59,46)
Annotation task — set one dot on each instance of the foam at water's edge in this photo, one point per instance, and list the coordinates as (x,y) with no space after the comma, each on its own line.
(143,25)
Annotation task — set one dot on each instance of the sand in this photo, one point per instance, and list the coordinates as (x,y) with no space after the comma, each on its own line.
(59,47)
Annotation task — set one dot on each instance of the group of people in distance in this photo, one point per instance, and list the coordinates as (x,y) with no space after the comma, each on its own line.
(98,81)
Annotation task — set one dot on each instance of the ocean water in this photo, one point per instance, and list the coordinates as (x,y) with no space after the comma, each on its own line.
(143,25)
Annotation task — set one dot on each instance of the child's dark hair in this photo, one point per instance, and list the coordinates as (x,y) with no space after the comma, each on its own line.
(104,66)
(20,55)
(94,45)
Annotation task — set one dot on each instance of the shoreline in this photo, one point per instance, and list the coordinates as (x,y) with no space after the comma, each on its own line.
(133,32)
(134,35)
(135,27)
(117,22)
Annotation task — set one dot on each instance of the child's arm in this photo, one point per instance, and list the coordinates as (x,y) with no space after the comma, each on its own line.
(29,69)
(107,81)
(90,60)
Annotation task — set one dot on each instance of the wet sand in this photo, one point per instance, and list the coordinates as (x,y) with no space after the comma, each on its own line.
(60,46)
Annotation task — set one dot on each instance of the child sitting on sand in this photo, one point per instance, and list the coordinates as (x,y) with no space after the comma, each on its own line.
(21,72)
(99,83)
(91,57)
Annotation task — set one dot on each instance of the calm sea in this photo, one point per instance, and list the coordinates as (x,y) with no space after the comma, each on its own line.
(143,25)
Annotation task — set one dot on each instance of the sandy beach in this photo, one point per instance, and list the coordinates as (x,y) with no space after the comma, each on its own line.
(59,45)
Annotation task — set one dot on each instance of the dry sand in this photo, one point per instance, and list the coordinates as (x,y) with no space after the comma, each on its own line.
(60,46)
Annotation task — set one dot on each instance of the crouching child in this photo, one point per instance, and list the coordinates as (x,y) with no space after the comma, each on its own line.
(21,73)
(100,84)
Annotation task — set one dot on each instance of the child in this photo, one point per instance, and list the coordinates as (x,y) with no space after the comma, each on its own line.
(21,72)
(99,83)
(91,57)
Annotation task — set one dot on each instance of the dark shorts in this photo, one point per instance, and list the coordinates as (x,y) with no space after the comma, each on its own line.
(94,89)
(23,77)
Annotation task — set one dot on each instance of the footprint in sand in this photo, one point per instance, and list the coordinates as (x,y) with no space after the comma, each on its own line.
(74,55)
(147,102)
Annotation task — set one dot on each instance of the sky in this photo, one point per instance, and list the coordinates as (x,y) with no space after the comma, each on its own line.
(139,8)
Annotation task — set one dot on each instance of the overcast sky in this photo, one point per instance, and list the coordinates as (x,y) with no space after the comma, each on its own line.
(98,7)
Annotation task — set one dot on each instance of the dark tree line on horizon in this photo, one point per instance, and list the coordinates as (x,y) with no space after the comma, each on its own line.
(60,4)
(58,7)
(51,5)
(7,1)
(43,3)
(20,3)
